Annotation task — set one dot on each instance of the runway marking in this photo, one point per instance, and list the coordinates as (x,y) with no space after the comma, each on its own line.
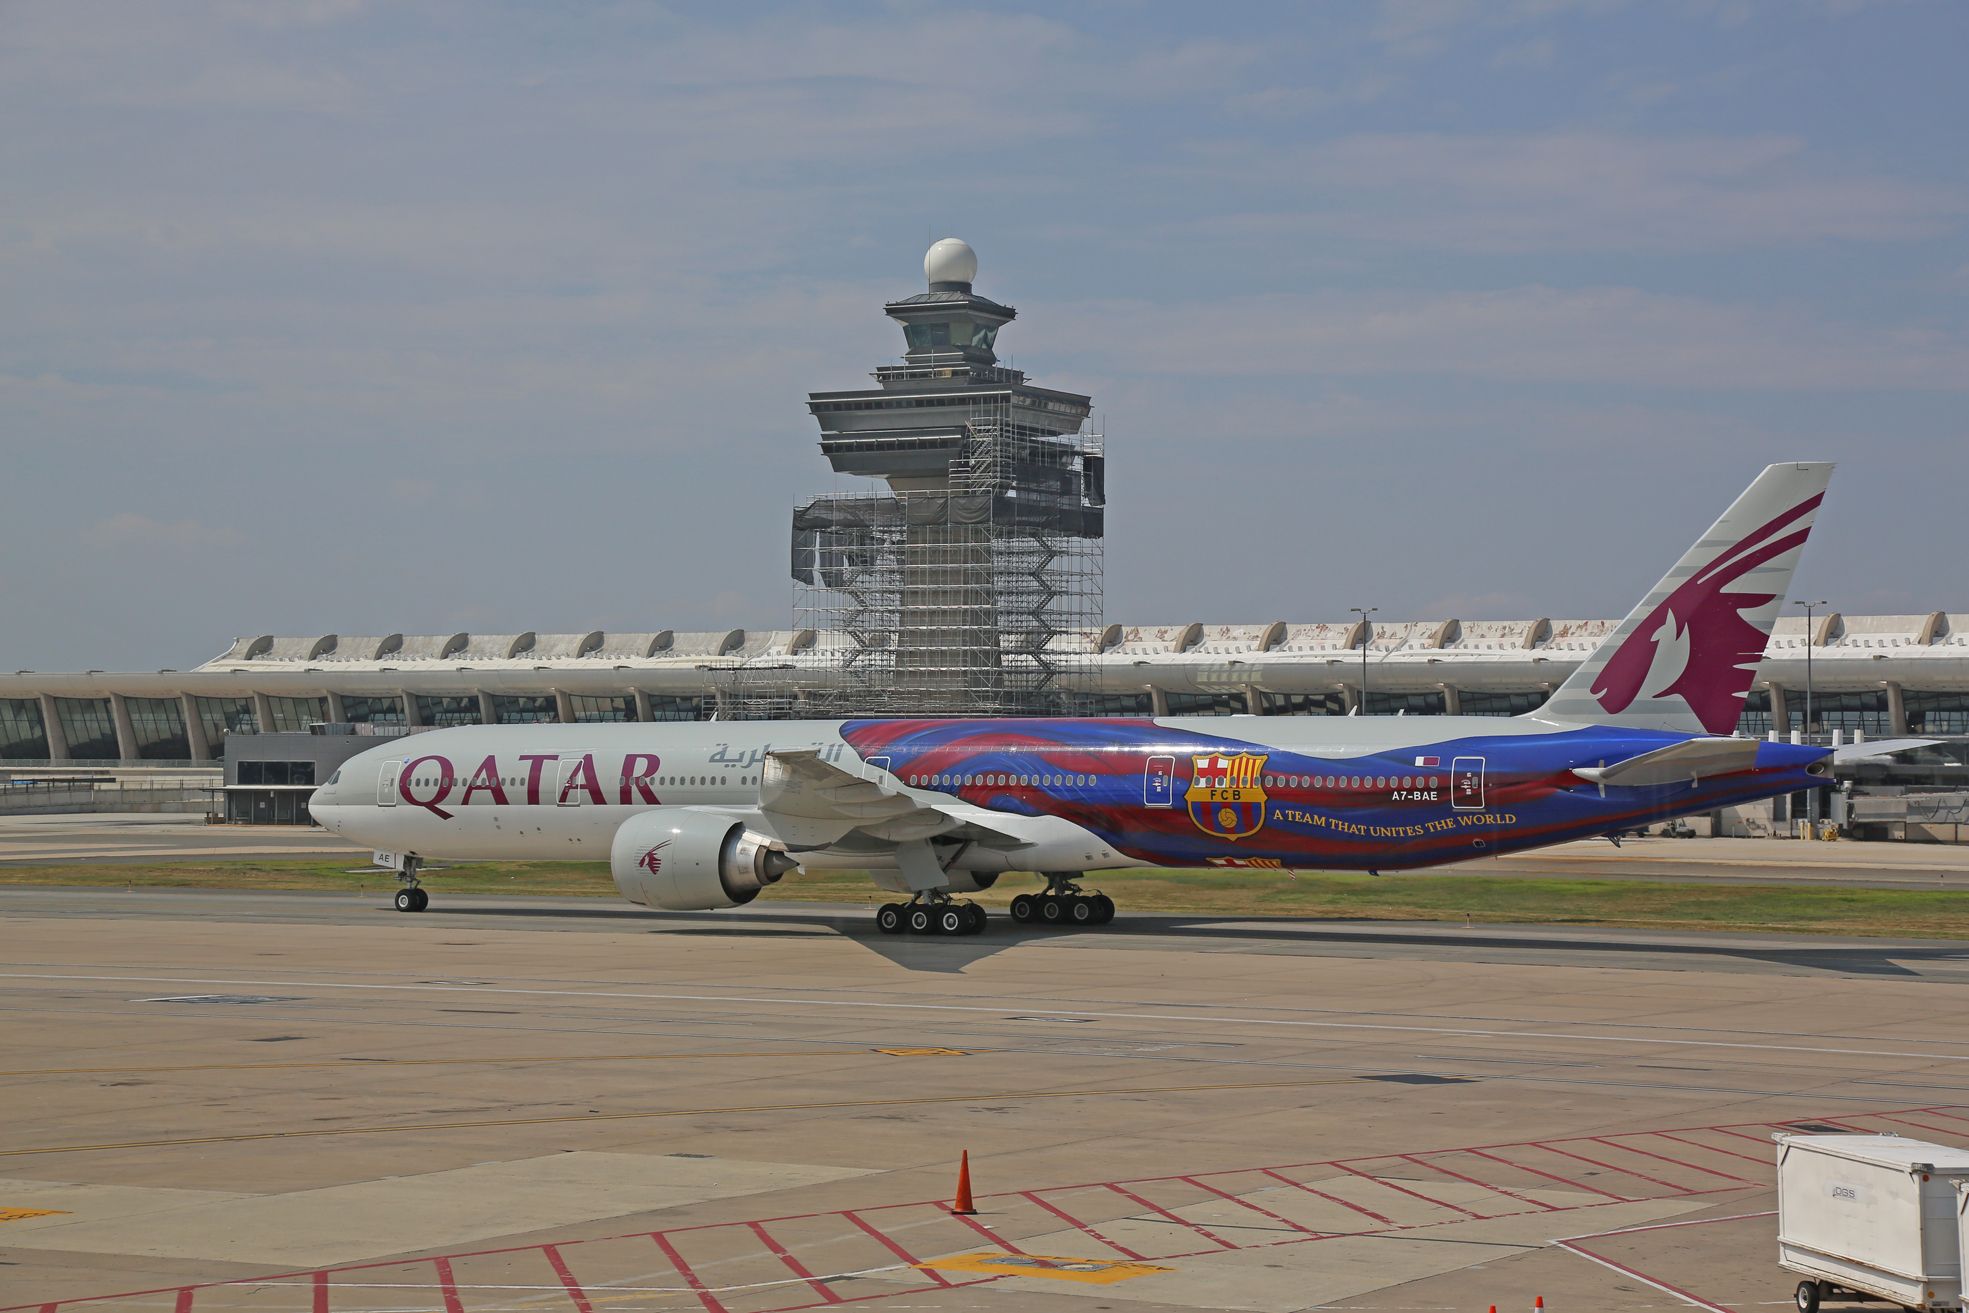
(1004,1096)
(350,1063)
(1572,1246)
(1194,1017)
(435,1280)
(22,1214)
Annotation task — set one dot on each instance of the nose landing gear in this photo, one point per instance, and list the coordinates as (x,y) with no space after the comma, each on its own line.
(412,897)
(1063,902)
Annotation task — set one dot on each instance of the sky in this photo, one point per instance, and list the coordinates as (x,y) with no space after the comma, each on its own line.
(335,317)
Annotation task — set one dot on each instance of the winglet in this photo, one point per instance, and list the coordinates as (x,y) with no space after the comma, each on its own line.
(1685,657)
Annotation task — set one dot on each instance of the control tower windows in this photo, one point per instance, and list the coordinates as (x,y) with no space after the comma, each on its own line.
(943,333)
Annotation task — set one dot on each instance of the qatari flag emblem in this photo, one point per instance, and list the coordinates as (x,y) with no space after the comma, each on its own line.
(1428,761)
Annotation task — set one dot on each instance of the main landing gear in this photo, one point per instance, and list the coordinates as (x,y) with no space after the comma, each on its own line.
(410,898)
(930,914)
(1063,902)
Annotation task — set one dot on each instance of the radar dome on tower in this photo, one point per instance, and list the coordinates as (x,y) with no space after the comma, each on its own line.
(951,265)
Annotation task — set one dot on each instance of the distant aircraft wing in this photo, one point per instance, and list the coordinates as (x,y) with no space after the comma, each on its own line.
(809,803)
(1678,763)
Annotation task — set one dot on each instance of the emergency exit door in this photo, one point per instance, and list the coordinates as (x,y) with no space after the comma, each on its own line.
(1466,783)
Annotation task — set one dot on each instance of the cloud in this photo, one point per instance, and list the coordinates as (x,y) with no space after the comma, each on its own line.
(1587,191)
(1610,335)
(131,529)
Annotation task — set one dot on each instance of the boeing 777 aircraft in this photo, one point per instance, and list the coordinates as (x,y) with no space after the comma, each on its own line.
(696,816)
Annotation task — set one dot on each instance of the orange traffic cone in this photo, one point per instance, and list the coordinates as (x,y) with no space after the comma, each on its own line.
(1538,1304)
(963,1207)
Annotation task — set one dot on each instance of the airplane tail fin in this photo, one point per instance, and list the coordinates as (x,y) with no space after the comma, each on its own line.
(1685,657)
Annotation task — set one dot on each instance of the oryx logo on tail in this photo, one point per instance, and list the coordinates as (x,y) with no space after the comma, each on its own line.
(1684,658)
(1696,644)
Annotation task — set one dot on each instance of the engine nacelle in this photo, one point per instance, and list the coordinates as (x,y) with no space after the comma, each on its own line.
(681,859)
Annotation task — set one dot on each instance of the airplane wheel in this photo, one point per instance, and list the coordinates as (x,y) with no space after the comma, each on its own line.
(423,899)
(406,900)
(1103,909)
(953,921)
(976,917)
(1025,908)
(920,921)
(888,919)
(1082,911)
(1051,908)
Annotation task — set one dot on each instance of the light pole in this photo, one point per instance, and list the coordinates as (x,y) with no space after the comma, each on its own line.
(1364,612)
(1811,797)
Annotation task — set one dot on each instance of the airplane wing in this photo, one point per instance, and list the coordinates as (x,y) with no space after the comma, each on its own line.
(809,804)
(1677,763)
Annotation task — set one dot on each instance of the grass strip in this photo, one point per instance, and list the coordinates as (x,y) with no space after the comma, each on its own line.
(1644,904)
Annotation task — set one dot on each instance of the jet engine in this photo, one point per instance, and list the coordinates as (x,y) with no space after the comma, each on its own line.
(681,859)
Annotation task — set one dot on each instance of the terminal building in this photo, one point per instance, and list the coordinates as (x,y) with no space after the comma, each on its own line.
(1870,676)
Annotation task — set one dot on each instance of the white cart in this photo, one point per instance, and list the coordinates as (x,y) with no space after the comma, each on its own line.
(1962,1230)
(1873,1216)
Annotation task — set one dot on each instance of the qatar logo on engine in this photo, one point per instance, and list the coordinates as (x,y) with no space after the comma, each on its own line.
(652,861)
(1226,796)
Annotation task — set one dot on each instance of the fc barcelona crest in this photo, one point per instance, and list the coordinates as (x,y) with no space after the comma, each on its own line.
(1226,795)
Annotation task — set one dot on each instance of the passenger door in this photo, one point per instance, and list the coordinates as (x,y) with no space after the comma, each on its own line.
(1466,784)
(386,783)
(1159,782)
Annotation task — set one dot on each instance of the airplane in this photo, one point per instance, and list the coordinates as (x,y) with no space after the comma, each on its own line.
(707,815)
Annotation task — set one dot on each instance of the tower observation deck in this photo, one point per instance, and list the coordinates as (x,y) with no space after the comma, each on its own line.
(971,584)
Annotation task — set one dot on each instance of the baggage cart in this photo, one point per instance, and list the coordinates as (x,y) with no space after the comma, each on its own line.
(1872,1217)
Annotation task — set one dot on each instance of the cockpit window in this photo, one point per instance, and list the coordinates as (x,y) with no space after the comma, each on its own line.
(336,778)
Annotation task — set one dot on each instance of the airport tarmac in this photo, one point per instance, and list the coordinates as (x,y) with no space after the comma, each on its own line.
(138,839)
(311,1102)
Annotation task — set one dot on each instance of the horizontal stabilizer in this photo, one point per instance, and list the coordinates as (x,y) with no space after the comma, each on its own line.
(1679,763)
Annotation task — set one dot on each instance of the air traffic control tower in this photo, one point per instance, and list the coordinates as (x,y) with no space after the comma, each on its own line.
(972,583)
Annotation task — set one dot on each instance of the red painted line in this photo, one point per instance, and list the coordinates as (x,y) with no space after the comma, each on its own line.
(1757,1139)
(1644,1278)
(894,1248)
(1942,1112)
(1413,1194)
(184,1300)
(321,1292)
(710,1301)
(1727,1153)
(1625,1171)
(447,1286)
(1203,1231)
(793,1265)
(1330,1198)
(1246,1203)
(987,1233)
(1694,1167)
(1551,1176)
(1076,1223)
(559,1264)
(1482,1185)
(1909,1121)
